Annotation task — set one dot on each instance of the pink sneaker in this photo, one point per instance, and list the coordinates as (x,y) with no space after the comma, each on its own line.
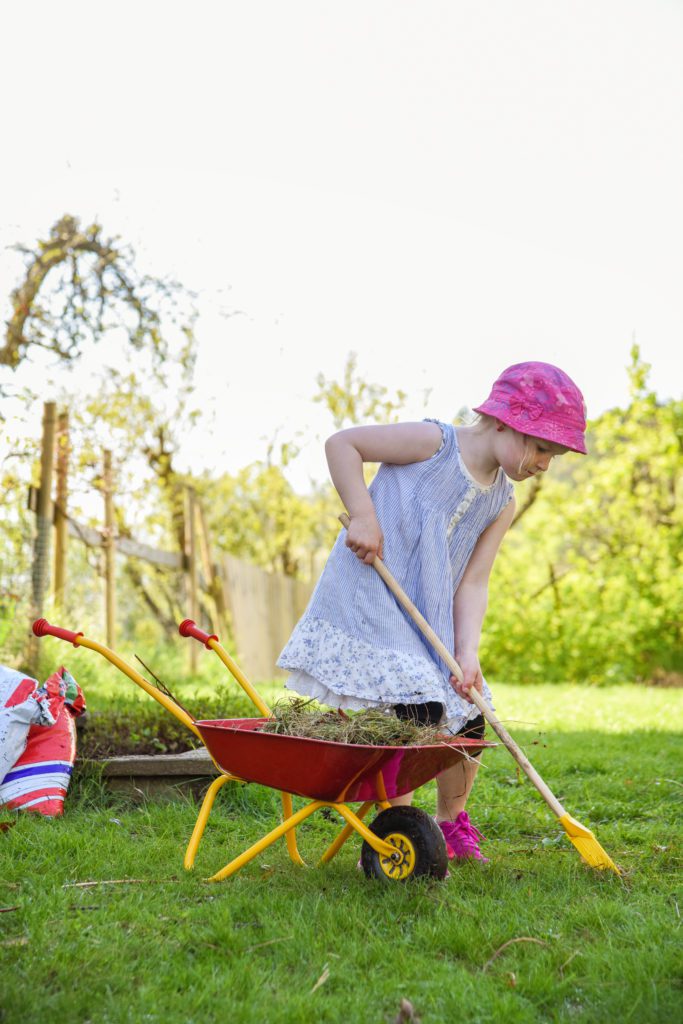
(462,839)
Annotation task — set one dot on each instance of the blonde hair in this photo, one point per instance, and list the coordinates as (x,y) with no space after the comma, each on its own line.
(483,421)
(552,447)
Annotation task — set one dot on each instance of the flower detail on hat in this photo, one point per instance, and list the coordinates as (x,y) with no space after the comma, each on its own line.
(520,407)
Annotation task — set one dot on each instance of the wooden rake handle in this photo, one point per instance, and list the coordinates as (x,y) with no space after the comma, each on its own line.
(443,652)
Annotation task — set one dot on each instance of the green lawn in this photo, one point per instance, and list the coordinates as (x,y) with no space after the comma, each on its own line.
(277,943)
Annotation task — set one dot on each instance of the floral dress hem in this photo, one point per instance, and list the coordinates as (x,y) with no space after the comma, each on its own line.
(333,668)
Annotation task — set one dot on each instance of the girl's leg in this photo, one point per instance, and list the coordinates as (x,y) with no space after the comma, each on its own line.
(455,784)
(421,714)
(402,801)
(453,788)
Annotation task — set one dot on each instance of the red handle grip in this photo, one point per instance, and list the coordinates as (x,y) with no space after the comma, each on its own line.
(189,628)
(41,627)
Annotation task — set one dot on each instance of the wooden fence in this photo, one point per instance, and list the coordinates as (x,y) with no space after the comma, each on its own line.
(263,609)
(257,609)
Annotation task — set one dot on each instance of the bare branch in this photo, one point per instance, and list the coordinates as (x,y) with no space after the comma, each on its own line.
(99,277)
(531,495)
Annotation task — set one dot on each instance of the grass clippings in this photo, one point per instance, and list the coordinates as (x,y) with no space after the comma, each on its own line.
(372,727)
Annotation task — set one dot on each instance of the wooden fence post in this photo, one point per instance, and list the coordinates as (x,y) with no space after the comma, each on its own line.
(109,544)
(61,498)
(191,553)
(41,557)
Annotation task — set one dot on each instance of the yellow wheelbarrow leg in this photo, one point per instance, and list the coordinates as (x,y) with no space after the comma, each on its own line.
(205,811)
(286,826)
(336,846)
(291,823)
(387,849)
(290,837)
(202,818)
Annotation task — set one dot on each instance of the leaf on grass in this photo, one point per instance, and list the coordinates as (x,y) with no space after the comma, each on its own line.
(322,979)
(406,1013)
(5,826)
(521,938)
(547,841)
(21,941)
(7,910)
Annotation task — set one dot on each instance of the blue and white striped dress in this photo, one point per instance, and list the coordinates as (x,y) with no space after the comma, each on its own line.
(354,646)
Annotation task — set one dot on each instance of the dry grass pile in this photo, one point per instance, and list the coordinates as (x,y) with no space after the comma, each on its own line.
(372,727)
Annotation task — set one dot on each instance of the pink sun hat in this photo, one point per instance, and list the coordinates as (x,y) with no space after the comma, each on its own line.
(540,400)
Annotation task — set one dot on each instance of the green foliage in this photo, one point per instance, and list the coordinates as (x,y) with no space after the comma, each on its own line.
(587,585)
(257,515)
(354,400)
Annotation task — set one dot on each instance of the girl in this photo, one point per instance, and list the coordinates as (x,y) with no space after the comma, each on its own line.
(437,511)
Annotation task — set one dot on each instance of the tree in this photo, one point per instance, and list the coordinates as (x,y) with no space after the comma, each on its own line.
(79,285)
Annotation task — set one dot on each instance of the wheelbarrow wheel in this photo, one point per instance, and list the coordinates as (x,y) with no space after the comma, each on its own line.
(418,840)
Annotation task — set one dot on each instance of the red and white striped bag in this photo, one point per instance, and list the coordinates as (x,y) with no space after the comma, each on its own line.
(37,740)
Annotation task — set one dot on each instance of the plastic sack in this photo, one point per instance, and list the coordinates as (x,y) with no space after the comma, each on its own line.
(37,740)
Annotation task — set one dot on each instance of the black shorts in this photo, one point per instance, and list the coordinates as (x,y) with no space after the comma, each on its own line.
(431,713)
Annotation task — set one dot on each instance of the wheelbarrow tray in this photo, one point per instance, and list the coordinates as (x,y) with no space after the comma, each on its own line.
(325,770)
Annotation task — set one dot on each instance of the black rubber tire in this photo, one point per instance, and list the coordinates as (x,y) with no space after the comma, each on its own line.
(423,834)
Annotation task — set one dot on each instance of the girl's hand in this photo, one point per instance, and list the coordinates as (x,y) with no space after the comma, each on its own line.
(364,537)
(472,677)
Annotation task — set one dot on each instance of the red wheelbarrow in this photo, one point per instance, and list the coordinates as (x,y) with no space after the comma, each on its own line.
(401,842)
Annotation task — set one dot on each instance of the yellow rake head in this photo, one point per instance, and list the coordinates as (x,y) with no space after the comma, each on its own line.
(587,845)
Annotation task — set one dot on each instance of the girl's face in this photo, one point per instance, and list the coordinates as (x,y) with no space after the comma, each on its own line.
(522,456)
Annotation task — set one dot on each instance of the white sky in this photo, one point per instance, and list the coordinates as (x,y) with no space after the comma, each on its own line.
(442,187)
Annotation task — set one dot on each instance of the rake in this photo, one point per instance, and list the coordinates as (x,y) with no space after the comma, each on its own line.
(582,837)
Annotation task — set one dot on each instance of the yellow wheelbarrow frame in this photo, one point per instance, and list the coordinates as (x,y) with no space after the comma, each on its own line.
(398,860)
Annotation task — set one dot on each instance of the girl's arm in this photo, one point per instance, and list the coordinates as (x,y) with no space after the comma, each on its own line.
(346,451)
(470,600)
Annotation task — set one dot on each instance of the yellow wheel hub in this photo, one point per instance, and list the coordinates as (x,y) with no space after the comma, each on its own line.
(402,864)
